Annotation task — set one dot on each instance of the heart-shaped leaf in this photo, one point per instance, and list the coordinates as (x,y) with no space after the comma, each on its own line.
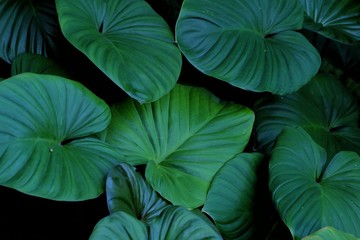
(127,191)
(327,233)
(335,19)
(48,146)
(250,43)
(310,192)
(119,225)
(323,108)
(127,40)
(27,26)
(230,200)
(184,137)
(36,64)
(180,223)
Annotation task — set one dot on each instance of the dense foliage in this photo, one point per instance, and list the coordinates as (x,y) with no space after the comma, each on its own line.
(194,119)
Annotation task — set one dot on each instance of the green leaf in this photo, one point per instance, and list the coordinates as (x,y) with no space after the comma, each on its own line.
(127,191)
(127,40)
(36,64)
(335,19)
(230,200)
(27,26)
(184,137)
(323,108)
(327,233)
(48,146)
(310,192)
(250,44)
(119,225)
(179,223)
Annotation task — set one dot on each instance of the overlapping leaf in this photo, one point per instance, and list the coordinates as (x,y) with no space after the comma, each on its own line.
(27,26)
(251,43)
(323,108)
(128,192)
(127,40)
(184,138)
(173,223)
(230,200)
(327,233)
(47,142)
(335,19)
(36,64)
(310,192)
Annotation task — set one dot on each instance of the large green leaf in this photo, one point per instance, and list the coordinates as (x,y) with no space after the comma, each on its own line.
(180,223)
(310,192)
(120,225)
(335,19)
(250,43)
(127,191)
(323,108)
(47,142)
(184,138)
(230,200)
(328,233)
(173,223)
(27,26)
(127,40)
(36,64)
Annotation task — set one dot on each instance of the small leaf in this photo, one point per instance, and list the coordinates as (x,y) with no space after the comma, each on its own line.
(36,64)
(127,40)
(335,19)
(327,233)
(127,191)
(231,196)
(48,146)
(184,138)
(119,225)
(27,26)
(310,192)
(250,44)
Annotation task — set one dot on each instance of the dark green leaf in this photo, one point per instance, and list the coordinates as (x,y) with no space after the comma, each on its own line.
(36,64)
(47,142)
(250,44)
(328,233)
(323,108)
(185,137)
(180,223)
(335,19)
(127,40)
(308,191)
(230,200)
(120,225)
(27,26)
(127,191)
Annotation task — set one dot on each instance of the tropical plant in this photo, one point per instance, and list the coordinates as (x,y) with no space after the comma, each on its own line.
(172,119)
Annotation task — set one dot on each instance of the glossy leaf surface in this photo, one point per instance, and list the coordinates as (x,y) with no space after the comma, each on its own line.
(308,191)
(127,40)
(327,233)
(231,196)
(48,146)
(128,192)
(323,108)
(27,27)
(251,43)
(184,138)
(336,19)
